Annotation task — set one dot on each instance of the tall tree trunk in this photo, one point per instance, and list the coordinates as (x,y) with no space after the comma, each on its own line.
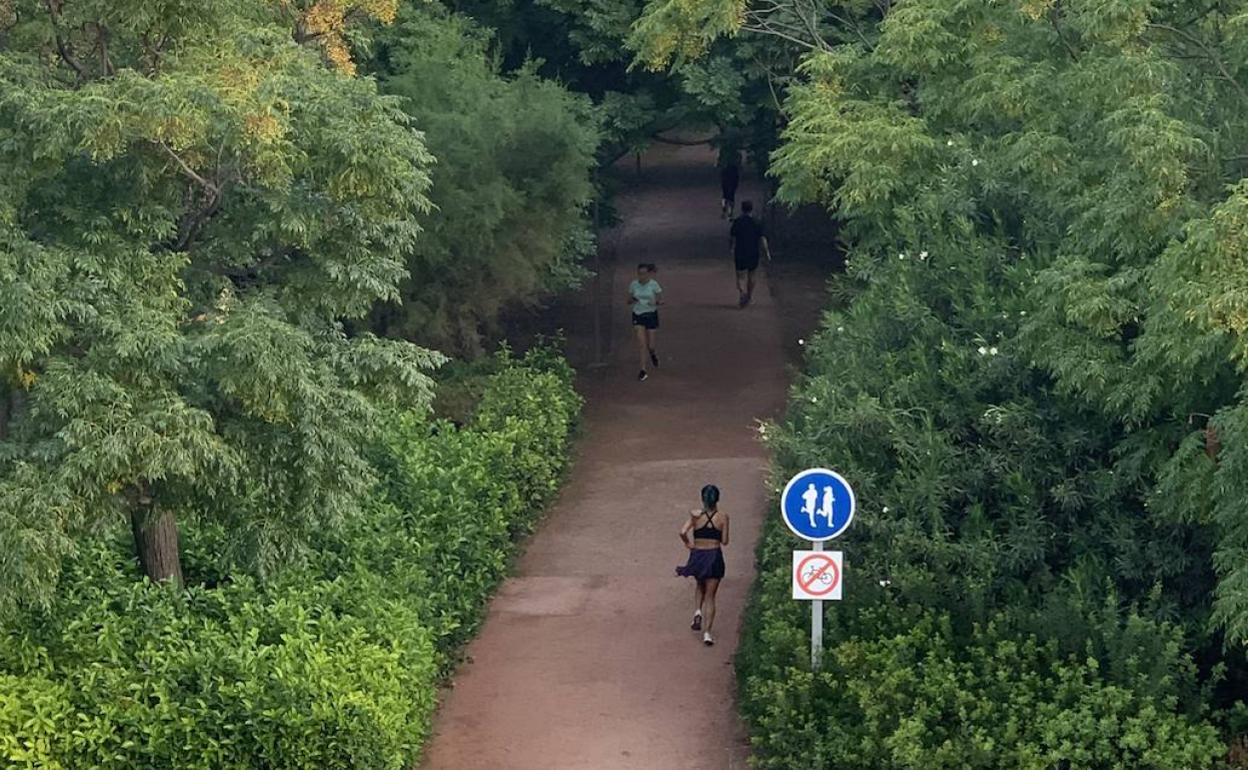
(156,542)
(6,411)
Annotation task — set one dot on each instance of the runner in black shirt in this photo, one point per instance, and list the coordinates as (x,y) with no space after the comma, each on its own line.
(748,243)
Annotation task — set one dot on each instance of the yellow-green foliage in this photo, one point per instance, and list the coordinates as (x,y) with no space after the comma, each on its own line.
(334,665)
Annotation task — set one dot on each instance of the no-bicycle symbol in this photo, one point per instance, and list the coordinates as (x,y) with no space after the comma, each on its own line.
(817,575)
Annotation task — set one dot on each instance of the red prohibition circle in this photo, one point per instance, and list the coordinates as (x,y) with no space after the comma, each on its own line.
(816,574)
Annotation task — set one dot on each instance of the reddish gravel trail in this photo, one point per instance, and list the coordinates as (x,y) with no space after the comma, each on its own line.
(586,659)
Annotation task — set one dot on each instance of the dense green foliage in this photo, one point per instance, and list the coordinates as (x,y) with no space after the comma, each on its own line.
(728,94)
(204,209)
(331,665)
(510,188)
(191,205)
(1034,376)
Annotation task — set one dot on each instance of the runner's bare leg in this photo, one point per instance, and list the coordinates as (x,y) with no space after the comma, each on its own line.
(708,611)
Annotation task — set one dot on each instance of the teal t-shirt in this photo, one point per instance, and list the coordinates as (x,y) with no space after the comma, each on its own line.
(645,296)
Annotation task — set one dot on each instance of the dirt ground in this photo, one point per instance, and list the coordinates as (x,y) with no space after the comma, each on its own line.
(586,659)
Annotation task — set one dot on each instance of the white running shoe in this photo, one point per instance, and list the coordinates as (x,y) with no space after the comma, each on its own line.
(706,639)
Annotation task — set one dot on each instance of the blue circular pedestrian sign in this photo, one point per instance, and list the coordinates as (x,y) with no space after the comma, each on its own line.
(817,504)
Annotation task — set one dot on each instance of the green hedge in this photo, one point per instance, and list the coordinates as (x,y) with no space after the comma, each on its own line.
(902,687)
(332,665)
(1008,601)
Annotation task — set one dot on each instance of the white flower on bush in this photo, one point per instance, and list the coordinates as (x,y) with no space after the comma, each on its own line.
(885,583)
(886,509)
(902,255)
(922,255)
(801,341)
(983,351)
(949,143)
(975,161)
(992,351)
(840,329)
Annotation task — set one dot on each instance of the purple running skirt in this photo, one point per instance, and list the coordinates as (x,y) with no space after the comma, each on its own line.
(703,564)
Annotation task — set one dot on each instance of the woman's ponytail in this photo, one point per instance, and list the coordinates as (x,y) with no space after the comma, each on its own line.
(710,497)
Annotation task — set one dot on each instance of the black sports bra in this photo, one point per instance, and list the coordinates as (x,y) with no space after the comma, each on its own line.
(706,531)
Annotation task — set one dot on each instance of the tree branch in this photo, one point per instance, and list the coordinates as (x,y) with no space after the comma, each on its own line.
(856,27)
(106,63)
(186,169)
(6,406)
(764,27)
(62,47)
(1070,49)
(1210,54)
(811,23)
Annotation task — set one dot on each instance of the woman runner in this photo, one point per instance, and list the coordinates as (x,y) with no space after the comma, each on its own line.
(706,559)
(645,295)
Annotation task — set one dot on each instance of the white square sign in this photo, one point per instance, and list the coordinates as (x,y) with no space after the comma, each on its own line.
(817,575)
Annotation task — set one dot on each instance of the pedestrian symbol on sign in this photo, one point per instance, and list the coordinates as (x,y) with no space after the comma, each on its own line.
(817,504)
(812,508)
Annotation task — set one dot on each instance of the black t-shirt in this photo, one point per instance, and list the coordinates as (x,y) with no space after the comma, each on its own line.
(747,233)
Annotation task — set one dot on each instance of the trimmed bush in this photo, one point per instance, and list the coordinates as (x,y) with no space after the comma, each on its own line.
(333,663)
(907,691)
(1008,602)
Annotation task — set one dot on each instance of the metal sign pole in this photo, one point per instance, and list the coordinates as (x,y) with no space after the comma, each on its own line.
(816,623)
(811,495)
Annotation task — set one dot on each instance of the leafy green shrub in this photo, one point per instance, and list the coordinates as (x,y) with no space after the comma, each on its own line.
(920,697)
(1009,603)
(332,664)
(33,710)
(319,675)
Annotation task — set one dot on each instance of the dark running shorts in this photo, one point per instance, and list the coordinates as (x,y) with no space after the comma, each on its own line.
(730,192)
(647,320)
(746,264)
(703,564)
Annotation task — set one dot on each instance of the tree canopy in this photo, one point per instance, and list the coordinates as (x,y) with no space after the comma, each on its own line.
(511,188)
(193,204)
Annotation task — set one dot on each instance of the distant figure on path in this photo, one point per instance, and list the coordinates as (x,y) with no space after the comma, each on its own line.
(706,559)
(747,242)
(644,293)
(729,178)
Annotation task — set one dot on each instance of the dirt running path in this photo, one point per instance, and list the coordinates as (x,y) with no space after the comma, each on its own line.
(586,660)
